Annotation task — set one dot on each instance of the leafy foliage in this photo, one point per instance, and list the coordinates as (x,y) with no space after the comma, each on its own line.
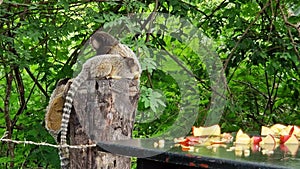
(257,41)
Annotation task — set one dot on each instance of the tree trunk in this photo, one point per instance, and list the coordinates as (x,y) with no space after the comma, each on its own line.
(105,110)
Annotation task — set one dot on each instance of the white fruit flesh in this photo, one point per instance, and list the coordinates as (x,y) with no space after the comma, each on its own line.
(266,131)
(292,140)
(214,130)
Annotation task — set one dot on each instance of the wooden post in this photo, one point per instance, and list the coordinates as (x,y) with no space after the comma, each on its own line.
(105,110)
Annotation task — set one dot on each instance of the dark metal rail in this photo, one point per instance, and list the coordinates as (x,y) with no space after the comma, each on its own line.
(174,158)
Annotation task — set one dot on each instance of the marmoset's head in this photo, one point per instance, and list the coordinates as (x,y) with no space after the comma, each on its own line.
(102,42)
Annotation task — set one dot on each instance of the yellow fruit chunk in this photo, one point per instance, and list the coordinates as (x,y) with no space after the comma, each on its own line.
(277,128)
(292,140)
(266,131)
(214,130)
(292,148)
(239,133)
(268,143)
(270,139)
(243,139)
(238,151)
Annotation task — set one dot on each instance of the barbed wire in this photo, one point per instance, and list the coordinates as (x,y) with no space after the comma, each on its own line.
(47,144)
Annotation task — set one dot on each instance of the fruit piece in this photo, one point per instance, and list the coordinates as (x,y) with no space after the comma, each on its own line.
(292,140)
(214,130)
(267,152)
(266,131)
(242,146)
(218,141)
(291,137)
(180,139)
(284,148)
(193,138)
(292,131)
(268,142)
(188,143)
(297,131)
(269,147)
(227,136)
(238,151)
(284,138)
(242,139)
(186,148)
(292,148)
(270,139)
(241,149)
(287,131)
(277,128)
(246,153)
(256,139)
(155,144)
(255,147)
(161,143)
(218,145)
(239,133)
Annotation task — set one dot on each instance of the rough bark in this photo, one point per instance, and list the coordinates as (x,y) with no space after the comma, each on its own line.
(105,110)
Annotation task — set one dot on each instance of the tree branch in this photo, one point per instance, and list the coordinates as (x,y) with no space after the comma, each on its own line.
(36,82)
(250,85)
(9,127)
(216,9)
(243,35)
(290,33)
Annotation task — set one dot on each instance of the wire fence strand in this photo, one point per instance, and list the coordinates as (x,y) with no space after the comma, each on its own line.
(47,144)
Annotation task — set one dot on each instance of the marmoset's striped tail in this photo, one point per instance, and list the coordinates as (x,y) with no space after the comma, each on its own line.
(64,152)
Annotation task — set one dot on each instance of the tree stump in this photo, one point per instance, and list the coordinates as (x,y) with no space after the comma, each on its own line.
(103,110)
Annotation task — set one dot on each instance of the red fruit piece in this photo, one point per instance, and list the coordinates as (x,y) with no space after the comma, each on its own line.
(291,131)
(193,138)
(256,139)
(255,148)
(284,138)
(284,148)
